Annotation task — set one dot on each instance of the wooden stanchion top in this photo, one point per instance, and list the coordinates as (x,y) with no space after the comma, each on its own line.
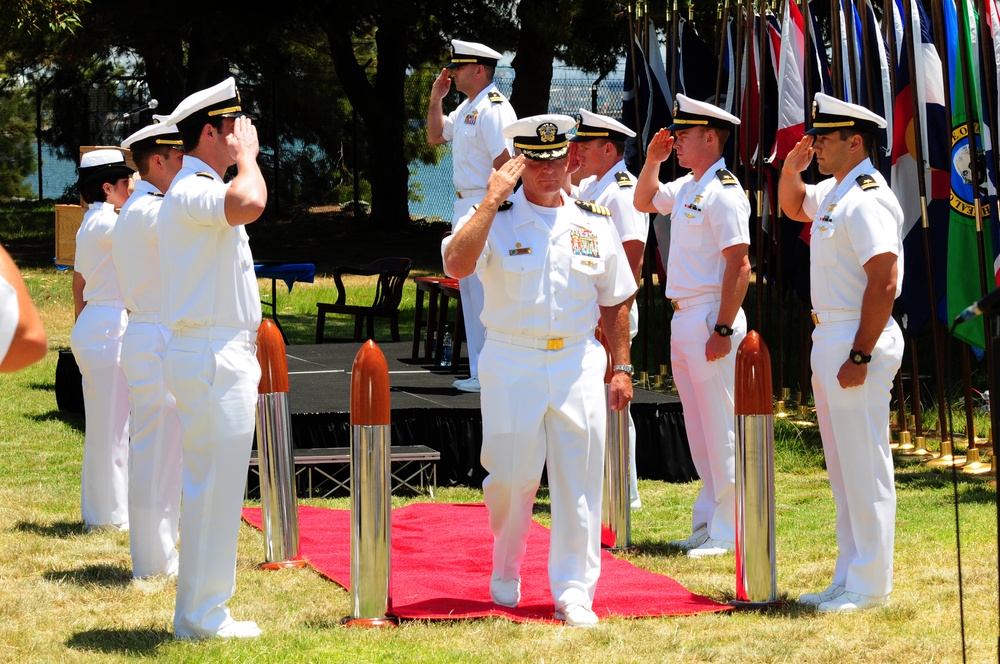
(272,359)
(370,387)
(754,391)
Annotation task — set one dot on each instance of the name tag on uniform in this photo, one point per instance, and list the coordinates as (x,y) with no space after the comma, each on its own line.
(520,251)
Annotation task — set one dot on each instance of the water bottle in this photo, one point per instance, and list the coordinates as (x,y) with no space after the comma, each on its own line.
(446,350)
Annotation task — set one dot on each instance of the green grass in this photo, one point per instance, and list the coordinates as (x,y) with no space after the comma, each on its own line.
(66,596)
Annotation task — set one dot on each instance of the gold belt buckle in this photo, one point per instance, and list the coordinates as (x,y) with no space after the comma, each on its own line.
(815,318)
(675,305)
(554,344)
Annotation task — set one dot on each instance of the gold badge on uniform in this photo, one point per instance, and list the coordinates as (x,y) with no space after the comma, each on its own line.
(520,251)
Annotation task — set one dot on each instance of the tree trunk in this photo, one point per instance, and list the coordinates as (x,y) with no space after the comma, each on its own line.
(542,24)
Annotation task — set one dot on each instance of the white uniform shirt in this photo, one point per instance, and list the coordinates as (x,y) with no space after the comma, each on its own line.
(475,130)
(93,254)
(617,195)
(706,216)
(206,264)
(544,269)
(136,250)
(850,226)
(9,316)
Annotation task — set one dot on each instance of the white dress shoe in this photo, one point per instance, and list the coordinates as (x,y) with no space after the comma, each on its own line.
(833,591)
(505,593)
(711,547)
(235,629)
(467,385)
(577,615)
(697,538)
(847,602)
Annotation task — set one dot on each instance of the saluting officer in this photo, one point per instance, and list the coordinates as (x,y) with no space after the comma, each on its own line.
(154,494)
(475,130)
(212,304)
(708,271)
(856,272)
(596,153)
(546,262)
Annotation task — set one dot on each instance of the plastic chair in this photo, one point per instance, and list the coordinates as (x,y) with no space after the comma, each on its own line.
(392,273)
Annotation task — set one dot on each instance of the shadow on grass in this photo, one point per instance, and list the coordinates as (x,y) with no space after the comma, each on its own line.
(60,529)
(47,387)
(972,488)
(142,642)
(99,575)
(75,420)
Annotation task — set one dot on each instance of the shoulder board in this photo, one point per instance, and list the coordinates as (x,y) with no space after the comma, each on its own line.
(495,97)
(155,193)
(623,179)
(726,178)
(866,182)
(205,174)
(594,208)
(506,205)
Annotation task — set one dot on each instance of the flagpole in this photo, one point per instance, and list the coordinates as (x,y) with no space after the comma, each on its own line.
(723,33)
(836,67)
(866,52)
(852,65)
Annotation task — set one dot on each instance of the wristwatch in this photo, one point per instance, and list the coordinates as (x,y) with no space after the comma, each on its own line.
(860,358)
(627,368)
(723,330)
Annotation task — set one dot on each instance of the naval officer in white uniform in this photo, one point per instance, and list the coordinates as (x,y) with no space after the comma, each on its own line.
(547,262)
(708,272)
(475,130)
(856,273)
(96,341)
(212,305)
(596,154)
(154,495)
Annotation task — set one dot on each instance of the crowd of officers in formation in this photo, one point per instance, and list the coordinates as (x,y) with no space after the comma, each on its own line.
(167,311)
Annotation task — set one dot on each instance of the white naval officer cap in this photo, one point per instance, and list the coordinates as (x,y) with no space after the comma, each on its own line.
(157,134)
(829,114)
(219,101)
(693,113)
(106,162)
(593,126)
(465,53)
(541,137)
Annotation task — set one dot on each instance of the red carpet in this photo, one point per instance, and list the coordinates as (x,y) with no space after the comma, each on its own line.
(441,567)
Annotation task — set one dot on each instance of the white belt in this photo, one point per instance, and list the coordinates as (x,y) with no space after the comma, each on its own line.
(557,343)
(116,304)
(216,333)
(144,317)
(469,193)
(682,303)
(834,316)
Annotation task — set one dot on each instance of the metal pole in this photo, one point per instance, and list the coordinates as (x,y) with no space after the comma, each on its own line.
(616,512)
(279,509)
(756,567)
(371,499)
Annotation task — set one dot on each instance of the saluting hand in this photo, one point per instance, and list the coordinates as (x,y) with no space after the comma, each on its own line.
(242,142)
(503,180)
(660,146)
(441,85)
(799,156)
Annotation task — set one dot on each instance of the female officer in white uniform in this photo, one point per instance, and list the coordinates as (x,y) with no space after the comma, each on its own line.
(96,341)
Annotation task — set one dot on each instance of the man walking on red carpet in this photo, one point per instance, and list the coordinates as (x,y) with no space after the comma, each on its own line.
(546,262)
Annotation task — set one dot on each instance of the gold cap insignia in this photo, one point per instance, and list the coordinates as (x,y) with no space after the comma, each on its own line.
(547,132)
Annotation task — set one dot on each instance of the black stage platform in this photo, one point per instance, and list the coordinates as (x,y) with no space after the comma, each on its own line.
(427,410)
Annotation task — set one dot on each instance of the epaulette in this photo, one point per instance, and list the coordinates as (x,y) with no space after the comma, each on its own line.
(866,182)
(495,97)
(595,208)
(155,193)
(726,178)
(623,179)
(506,205)
(205,174)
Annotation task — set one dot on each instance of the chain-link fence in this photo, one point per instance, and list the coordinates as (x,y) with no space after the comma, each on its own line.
(303,168)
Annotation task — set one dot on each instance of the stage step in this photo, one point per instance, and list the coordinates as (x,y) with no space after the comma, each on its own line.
(413,466)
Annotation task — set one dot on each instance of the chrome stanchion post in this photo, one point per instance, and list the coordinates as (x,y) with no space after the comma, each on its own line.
(756,567)
(279,508)
(616,513)
(371,491)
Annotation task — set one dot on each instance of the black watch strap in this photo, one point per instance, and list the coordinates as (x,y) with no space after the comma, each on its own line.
(723,330)
(860,358)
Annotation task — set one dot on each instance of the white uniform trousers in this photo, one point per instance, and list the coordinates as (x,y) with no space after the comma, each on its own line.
(473,299)
(215,385)
(154,496)
(706,390)
(96,341)
(854,424)
(546,409)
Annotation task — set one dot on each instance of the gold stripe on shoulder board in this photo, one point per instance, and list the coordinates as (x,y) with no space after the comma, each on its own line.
(495,97)
(866,182)
(595,208)
(623,179)
(503,207)
(726,178)
(205,174)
